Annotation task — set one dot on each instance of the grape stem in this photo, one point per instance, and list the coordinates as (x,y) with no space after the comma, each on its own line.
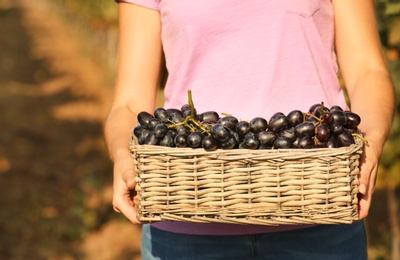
(322,108)
(190,120)
(312,115)
(361,137)
(190,102)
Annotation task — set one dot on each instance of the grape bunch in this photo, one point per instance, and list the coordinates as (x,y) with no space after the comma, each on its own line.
(320,127)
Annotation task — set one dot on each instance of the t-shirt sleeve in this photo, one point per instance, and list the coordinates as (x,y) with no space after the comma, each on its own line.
(151,4)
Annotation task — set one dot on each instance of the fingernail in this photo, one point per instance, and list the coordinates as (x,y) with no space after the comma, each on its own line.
(362,188)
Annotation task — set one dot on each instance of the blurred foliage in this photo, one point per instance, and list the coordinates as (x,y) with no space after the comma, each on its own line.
(388,17)
(97,13)
(95,24)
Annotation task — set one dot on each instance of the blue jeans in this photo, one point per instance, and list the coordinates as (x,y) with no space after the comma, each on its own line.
(323,242)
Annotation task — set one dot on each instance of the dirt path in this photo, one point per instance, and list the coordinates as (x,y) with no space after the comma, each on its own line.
(54,169)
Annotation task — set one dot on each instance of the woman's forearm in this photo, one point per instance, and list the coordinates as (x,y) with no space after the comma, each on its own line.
(373,99)
(117,131)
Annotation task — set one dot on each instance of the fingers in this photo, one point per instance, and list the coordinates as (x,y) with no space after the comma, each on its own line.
(129,212)
(124,191)
(363,207)
(367,178)
(129,179)
(123,203)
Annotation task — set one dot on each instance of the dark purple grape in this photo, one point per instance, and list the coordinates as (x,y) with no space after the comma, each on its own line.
(353,120)
(209,116)
(295,117)
(161,114)
(276,115)
(228,121)
(143,136)
(289,133)
(242,146)
(172,132)
(282,142)
(278,124)
(258,124)
(331,142)
(151,139)
(305,142)
(171,111)
(313,107)
(319,111)
(336,128)
(313,120)
(153,122)
(207,125)
(137,131)
(242,128)
(345,138)
(231,143)
(194,139)
(235,135)
(336,108)
(220,132)
(250,141)
(320,144)
(305,129)
(160,130)
(266,138)
(209,143)
(144,118)
(181,140)
(186,107)
(176,117)
(327,118)
(353,130)
(339,117)
(187,113)
(168,139)
(183,130)
(323,132)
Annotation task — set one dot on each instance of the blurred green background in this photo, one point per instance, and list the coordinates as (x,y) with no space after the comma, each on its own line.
(57,68)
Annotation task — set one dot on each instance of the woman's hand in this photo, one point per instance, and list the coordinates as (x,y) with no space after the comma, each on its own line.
(368,173)
(124,188)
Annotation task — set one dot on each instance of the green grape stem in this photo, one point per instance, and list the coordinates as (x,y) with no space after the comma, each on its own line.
(322,108)
(190,102)
(311,115)
(190,120)
(226,114)
(361,137)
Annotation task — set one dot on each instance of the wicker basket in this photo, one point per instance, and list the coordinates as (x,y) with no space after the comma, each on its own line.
(267,187)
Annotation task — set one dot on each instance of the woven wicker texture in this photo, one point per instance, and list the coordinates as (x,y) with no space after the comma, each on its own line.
(268,187)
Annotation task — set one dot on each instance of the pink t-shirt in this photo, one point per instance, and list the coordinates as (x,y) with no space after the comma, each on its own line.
(248,59)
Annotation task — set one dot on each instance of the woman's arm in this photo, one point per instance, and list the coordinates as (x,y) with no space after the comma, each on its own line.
(368,83)
(138,69)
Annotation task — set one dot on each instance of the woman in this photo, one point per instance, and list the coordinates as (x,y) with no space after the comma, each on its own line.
(250,58)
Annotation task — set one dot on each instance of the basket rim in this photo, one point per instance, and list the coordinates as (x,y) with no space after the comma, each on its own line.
(188,151)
